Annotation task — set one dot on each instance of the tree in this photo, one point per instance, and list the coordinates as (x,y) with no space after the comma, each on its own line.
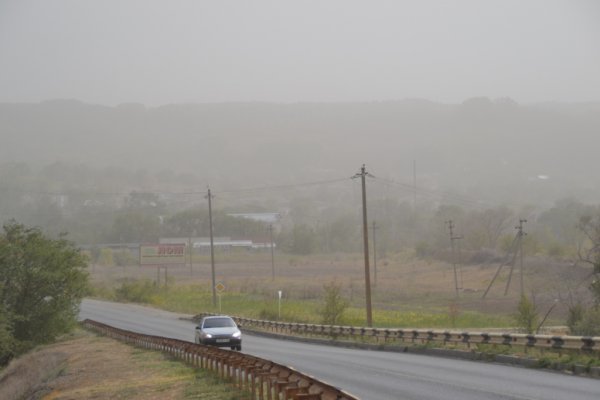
(42,282)
(591,254)
(135,226)
(303,240)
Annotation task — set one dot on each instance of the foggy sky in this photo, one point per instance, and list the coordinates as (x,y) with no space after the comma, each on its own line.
(158,52)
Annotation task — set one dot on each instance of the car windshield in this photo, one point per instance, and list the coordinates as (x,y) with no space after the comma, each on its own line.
(218,323)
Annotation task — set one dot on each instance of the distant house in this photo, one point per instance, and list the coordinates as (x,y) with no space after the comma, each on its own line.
(221,243)
(269,218)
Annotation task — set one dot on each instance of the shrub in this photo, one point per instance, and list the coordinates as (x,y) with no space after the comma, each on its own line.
(527,315)
(123,258)
(423,249)
(106,257)
(334,305)
(575,316)
(589,323)
(136,291)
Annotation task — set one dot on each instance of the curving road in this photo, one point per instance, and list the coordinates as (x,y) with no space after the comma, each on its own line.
(370,375)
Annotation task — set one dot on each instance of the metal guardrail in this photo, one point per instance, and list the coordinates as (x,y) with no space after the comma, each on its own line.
(425,336)
(262,379)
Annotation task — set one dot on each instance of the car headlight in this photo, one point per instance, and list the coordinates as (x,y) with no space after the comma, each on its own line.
(237,334)
(206,335)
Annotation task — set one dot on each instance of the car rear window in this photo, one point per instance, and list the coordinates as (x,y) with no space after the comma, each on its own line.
(218,323)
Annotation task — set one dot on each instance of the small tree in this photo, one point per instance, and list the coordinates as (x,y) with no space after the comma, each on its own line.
(334,304)
(527,315)
(42,282)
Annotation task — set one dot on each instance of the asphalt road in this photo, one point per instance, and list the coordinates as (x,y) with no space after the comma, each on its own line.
(370,375)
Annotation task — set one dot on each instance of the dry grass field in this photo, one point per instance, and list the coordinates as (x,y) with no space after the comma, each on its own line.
(404,282)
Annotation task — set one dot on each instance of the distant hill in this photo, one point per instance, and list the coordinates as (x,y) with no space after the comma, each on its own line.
(496,148)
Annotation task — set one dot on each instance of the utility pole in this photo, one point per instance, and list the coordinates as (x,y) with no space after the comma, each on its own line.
(363,174)
(190,251)
(272,253)
(414,215)
(521,234)
(415,186)
(374,228)
(209,196)
(450,224)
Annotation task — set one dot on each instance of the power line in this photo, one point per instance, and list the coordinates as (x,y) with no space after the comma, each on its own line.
(172,193)
(436,194)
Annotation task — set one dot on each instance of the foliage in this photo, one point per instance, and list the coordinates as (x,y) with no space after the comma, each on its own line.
(334,304)
(453,313)
(123,258)
(142,291)
(106,257)
(423,249)
(135,226)
(575,316)
(301,240)
(527,315)
(588,324)
(42,281)
(591,229)
(6,338)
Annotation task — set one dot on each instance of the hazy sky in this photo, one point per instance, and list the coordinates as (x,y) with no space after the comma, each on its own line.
(157,52)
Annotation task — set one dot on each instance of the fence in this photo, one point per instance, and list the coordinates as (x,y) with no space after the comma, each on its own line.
(424,336)
(262,379)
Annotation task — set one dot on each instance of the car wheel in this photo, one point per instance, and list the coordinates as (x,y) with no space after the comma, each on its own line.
(232,347)
(239,347)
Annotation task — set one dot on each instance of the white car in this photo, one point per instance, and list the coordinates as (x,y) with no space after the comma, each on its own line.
(220,331)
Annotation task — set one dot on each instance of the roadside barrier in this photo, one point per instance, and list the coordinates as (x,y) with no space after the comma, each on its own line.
(262,379)
(424,336)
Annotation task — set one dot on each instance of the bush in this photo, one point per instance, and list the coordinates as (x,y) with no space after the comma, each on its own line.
(136,291)
(527,315)
(423,249)
(334,305)
(588,324)
(123,258)
(106,257)
(575,316)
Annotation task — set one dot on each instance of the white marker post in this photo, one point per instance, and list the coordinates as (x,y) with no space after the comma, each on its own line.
(220,288)
(279,305)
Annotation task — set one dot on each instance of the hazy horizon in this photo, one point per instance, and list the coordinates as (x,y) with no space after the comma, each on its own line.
(157,52)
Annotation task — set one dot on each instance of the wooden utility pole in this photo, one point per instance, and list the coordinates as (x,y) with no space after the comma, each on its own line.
(272,253)
(190,251)
(450,224)
(521,234)
(374,228)
(212,250)
(363,174)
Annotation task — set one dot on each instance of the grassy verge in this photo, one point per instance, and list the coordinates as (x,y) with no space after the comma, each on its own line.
(193,299)
(85,366)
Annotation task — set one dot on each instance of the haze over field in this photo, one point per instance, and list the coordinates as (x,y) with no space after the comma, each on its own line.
(495,151)
(494,100)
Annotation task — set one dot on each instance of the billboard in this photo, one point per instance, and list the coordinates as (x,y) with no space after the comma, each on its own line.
(162,254)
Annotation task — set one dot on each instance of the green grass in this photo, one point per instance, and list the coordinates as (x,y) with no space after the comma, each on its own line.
(195,299)
(199,384)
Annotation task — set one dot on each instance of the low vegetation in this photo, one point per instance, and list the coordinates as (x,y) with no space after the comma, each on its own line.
(192,299)
(85,366)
